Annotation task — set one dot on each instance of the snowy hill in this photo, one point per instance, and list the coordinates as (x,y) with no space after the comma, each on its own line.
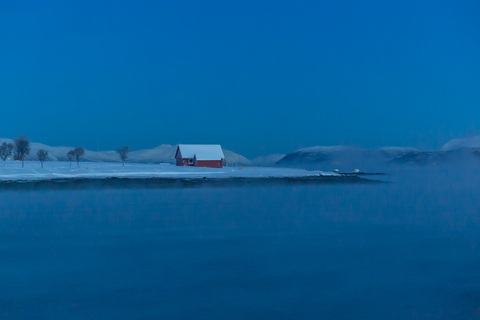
(348,157)
(312,155)
(60,153)
(464,150)
(319,157)
(454,156)
(163,153)
(329,157)
(396,151)
(233,158)
(471,142)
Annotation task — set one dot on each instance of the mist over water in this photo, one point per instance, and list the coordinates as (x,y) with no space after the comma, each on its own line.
(400,250)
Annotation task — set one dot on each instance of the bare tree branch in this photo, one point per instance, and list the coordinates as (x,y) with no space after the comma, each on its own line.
(79,152)
(42,156)
(71,156)
(5,151)
(123,152)
(22,147)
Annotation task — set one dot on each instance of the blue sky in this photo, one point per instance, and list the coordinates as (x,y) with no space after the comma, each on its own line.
(256,76)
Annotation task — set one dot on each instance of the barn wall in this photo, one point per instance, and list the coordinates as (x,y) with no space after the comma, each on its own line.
(179,160)
(185,163)
(178,157)
(209,163)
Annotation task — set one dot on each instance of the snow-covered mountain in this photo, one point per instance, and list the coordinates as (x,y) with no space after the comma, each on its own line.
(461,155)
(329,157)
(233,158)
(471,142)
(396,151)
(162,153)
(463,150)
(344,157)
(318,157)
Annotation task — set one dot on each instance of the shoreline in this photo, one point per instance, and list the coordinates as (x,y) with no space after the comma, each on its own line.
(173,183)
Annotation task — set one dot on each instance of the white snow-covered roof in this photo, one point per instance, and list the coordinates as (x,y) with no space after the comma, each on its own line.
(201,151)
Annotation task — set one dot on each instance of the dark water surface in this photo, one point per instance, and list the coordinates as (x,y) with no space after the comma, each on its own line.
(405,250)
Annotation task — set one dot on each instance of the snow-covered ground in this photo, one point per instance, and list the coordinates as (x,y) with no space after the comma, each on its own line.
(61,170)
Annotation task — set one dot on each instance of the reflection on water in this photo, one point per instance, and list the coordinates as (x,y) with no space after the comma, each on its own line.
(405,250)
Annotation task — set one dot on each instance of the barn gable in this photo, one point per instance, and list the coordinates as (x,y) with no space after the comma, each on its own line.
(200,155)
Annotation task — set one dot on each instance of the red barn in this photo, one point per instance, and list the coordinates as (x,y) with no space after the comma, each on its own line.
(200,155)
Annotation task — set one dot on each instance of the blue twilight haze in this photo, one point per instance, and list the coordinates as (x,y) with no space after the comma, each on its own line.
(260,76)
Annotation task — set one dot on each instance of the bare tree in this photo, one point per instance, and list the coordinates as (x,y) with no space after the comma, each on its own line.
(42,156)
(5,151)
(71,156)
(22,147)
(79,152)
(123,152)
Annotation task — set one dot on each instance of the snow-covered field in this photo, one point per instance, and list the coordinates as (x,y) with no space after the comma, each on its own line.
(164,153)
(13,171)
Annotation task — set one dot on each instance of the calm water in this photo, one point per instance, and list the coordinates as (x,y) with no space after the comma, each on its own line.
(404,250)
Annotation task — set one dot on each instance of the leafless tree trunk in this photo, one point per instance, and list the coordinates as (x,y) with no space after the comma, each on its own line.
(5,151)
(123,152)
(22,146)
(79,152)
(42,156)
(71,156)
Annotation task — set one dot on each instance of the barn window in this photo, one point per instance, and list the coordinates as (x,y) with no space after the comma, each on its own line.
(190,161)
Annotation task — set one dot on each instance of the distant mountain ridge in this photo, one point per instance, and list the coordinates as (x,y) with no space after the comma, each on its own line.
(325,157)
(470,142)
(330,157)
(465,150)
